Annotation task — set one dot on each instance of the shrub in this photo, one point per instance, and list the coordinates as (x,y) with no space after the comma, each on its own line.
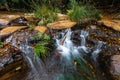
(80,13)
(46,14)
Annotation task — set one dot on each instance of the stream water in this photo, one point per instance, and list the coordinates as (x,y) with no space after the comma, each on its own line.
(62,62)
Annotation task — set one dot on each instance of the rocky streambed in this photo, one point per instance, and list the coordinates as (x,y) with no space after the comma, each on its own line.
(108,58)
(13,64)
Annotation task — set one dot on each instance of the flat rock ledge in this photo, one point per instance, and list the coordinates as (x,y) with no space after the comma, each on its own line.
(61,24)
(114,24)
(42,29)
(11,29)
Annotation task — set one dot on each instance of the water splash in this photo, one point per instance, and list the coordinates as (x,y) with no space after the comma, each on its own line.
(97,50)
(65,47)
(69,52)
(83,36)
(82,47)
(36,65)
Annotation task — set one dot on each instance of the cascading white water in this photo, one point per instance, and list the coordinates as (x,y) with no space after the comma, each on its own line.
(68,53)
(97,50)
(65,47)
(83,35)
(82,47)
(37,67)
(68,50)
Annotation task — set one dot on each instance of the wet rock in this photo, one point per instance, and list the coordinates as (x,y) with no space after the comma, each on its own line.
(12,63)
(20,21)
(25,36)
(104,60)
(115,66)
(3,37)
(61,24)
(109,36)
(6,55)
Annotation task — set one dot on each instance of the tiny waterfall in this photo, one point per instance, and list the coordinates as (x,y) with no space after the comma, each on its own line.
(67,48)
(65,61)
(37,67)
(97,50)
(69,52)
(83,35)
(82,47)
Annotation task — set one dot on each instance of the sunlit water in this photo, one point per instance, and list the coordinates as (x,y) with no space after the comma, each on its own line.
(58,64)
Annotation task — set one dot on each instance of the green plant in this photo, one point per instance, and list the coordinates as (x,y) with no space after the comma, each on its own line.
(1,44)
(78,14)
(30,26)
(42,49)
(81,13)
(47,14)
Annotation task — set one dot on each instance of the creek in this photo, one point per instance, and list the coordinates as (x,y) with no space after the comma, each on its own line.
(82,52)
